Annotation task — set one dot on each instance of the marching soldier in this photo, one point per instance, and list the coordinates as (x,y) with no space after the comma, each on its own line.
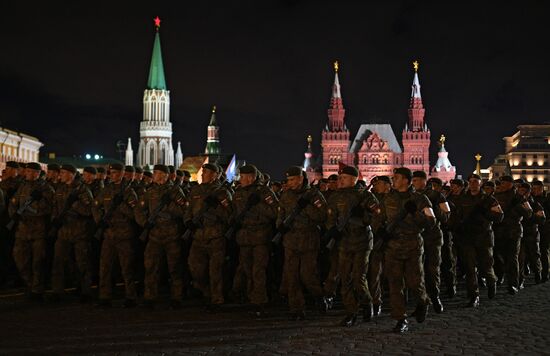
(114,213)
(160,212)
(407,213)
(301,240)
(89,177)
(381,187)
(31,207)
(350,212)
(208,217)
(508,233)
(541,197)
(255,205)
(475,213)
(52,175)
(433,238)
(72,217)
(530,251)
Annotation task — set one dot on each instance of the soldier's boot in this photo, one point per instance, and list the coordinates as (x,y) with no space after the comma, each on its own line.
(537,278)
(259,312)
(330,302)
(322,305)
(491,290)
(474,302)
(175,304)
(481,282)
(367,312)
(512,290)
(297,316)
(104,303)
(376,309)
(451,292)
(500,280)
(421,312)
(129,303)
(436,303)
(401,326)
(36,297)
(149,304)
(349,321)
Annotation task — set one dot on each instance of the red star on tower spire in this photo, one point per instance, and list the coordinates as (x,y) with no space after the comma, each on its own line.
(157,22)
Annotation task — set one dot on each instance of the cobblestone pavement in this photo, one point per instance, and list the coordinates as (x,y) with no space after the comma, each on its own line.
(506,325)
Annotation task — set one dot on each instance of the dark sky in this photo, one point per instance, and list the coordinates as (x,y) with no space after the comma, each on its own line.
(74,75)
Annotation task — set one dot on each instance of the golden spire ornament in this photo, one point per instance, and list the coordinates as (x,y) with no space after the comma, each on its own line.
(478,166)
(336,66)
(415,66)
(442,140)
(214,109)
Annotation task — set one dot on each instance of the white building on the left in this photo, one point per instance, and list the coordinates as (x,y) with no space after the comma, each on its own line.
(17,146)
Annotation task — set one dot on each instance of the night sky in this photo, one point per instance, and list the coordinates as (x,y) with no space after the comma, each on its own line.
(74,75)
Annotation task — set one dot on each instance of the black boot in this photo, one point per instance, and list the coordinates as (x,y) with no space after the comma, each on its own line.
(349,321)
(436,303)
(537,278)
(330,302)
(367,312)
(129,303)
(474,302)
(259,312)
(512,290)
(401,326)
(421,312)
(322,305)
(376,309)
(451,292)
(491,290)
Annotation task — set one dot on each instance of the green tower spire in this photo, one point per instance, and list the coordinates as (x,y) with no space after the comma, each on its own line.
(156,71)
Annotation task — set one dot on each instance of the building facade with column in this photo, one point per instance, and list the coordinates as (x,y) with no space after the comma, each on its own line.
(17,146)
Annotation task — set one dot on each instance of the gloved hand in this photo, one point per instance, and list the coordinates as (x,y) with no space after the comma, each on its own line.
(211,201)
(357,211)
(165,199)
(190,225)
(36,195)
(117,199)
(303,202)
(253,199)
(410,207)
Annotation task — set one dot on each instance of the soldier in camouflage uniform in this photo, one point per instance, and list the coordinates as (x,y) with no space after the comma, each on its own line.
(52,175)
(8,184)
(259,206)
(72,215)
(433,238)
(329,259)
(407,213)
(381,187)
(89,177)
(208,217)
(541,197)
(301,240)
(129,174)
(508,233)
(30,234)
(164,233)
(118,201)
(349,215)
(475,212)
(530,242)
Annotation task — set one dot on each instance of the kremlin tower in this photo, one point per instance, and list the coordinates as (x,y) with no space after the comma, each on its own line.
(155,144)
(443,168)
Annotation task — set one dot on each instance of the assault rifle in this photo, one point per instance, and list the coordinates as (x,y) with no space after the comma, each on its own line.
(289,220)
(35,195)
(117,200)
(164,201)
(58,221)
(253,199)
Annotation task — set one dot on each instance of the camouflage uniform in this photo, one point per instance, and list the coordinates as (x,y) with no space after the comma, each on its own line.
(30,235)
(74,234)
(163,238)
(508,235)
(253,239)
(404,250)
(355,243)
(473,217)
(7,266)
(207,254)
(301,245)
(530,250)
(117,238)
(433,240)
(329,263)
(544,229)
(376,259)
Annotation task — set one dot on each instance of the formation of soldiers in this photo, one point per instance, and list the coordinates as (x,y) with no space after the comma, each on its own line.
(259,241)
